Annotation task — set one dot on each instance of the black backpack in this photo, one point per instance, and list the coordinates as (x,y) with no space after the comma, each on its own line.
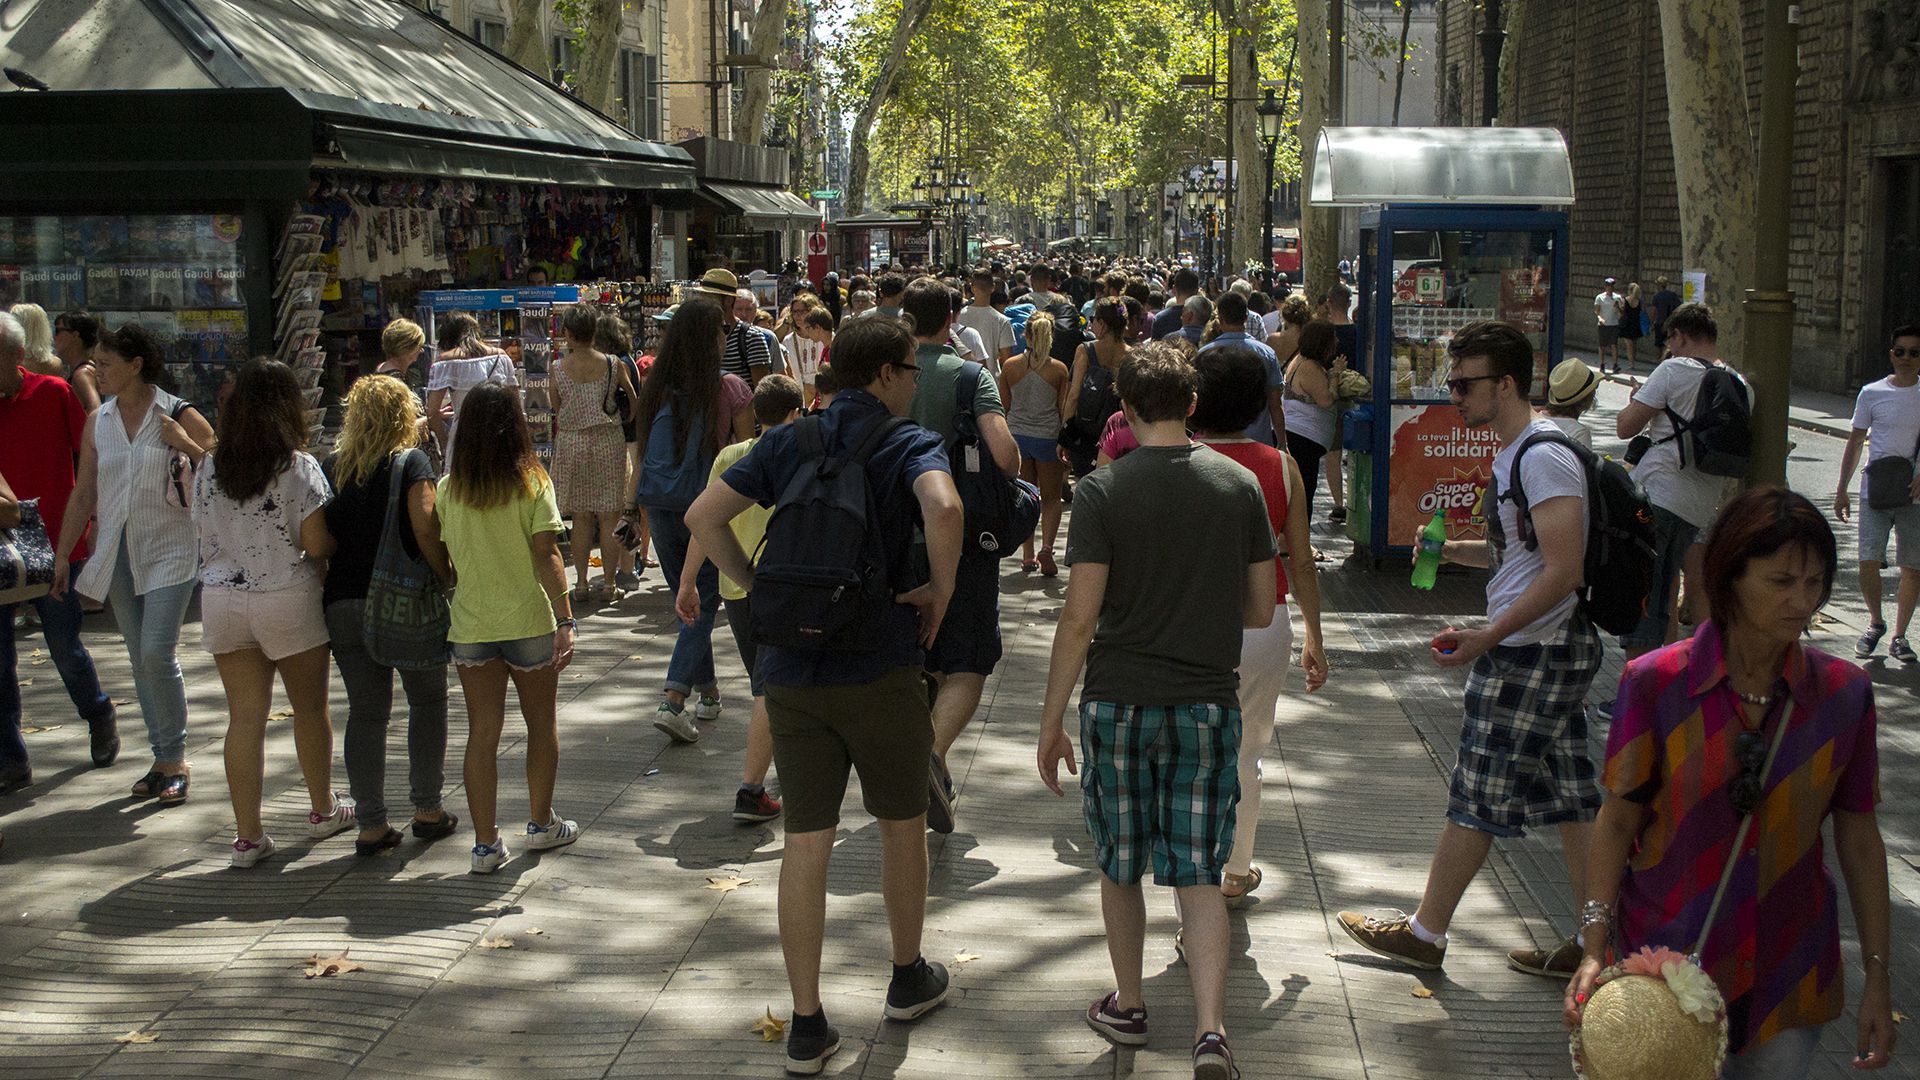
(1719,434)
(822,581)
(1069,332)
(1001,510)
(1618,574)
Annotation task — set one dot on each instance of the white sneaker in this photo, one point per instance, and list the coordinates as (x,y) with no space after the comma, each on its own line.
(321,826)
(248,852)
(555,833)
(678,725)
(488,859)
(708,709)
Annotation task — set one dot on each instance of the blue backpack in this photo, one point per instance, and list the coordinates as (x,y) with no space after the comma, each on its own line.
(672,476)
(1001,510)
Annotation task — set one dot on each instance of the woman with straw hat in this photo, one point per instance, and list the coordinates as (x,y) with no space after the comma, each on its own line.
(1728,752)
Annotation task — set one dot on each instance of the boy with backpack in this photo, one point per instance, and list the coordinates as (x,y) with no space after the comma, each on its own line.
(1523,760)
(776,402)
(1696,410)
(839,623)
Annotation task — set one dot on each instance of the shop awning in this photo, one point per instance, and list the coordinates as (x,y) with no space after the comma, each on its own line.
(774,208)
(1487,166)
(376,150)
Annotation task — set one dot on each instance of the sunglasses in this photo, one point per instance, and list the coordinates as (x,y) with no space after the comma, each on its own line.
(1459,387)
(1750,749)
(1904,353)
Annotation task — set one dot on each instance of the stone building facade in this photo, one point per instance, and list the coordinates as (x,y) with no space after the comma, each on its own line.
(1596,72)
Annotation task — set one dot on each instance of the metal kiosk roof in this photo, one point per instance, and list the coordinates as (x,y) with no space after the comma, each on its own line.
(1478,166)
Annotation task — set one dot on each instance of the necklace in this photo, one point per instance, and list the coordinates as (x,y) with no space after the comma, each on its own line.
(1759,700)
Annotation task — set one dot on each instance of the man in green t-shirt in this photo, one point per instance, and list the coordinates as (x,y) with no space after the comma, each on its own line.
(1154,613)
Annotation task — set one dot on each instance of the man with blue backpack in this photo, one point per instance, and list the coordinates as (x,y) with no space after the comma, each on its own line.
(953,393)
(840,619)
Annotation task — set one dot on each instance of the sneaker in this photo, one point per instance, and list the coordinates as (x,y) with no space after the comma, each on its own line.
(939,796)
(676,723)
(1869,641)
(487,859)
(808,1051)
(555,833)
(913,995)
(1128,1027)
(753,809)
(248,852)
(1901,651)
(1212,1060)
(1559,962)
(1337,516)
(708,709)
(321,826)
(1393,938)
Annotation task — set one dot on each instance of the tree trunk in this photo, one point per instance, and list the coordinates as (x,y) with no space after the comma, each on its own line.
(526,37)
(1248,243)
(1713,151)
(594,80)
(1319,226)
(1400,58)
(1516,13)
(767,35)
(911,12)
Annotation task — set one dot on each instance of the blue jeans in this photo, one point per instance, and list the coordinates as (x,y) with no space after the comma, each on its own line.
(692,662)
(150,625)
(60,624)
(1786,1056)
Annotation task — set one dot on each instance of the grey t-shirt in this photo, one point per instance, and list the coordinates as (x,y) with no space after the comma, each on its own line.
(1170,624)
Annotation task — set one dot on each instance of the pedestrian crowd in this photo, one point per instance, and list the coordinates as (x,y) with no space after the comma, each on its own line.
(845,482)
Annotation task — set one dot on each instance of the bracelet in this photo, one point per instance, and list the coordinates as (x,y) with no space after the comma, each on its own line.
(570,622)
(1871,958)
(1595,913)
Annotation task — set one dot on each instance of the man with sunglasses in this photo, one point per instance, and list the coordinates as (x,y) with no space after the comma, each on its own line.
(1886,421)
(1523,760)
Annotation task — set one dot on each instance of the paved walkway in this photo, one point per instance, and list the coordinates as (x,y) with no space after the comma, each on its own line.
(122,918)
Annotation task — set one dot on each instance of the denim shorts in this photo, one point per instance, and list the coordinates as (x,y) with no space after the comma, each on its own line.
(1038,447)
(521,654)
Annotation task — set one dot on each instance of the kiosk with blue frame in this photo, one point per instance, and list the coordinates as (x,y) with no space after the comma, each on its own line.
(1457,225)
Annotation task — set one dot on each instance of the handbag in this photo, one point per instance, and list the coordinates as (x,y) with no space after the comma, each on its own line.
(405,619)
(1890,481)
(179,470)
(26,557)
(613,399)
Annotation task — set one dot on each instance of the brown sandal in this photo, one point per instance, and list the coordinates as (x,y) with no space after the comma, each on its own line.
(1246,883)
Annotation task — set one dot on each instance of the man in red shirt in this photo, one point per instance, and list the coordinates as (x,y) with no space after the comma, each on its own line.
(40,425)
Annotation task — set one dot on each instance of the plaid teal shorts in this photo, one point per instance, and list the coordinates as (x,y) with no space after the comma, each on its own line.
(1160,779)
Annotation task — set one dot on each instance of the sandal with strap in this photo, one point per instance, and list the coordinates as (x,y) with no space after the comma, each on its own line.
(1245,883)
(172,790)
(149,785)
(368,848)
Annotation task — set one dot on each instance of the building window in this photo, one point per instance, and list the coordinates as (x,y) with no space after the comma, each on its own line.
(640,93)
(492,33)
(566,58)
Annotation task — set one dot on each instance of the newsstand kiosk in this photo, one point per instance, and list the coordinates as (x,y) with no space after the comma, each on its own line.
(1457,225)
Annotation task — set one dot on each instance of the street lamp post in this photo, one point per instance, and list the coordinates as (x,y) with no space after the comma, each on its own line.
(1270,117)
(1191,200)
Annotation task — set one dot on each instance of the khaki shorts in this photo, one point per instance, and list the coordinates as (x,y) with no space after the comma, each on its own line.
(278,622)
(881,728)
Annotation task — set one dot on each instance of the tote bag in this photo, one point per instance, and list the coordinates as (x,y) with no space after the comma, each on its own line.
(406,617)
(26,557)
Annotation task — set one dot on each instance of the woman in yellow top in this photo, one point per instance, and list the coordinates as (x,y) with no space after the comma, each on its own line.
(511,617)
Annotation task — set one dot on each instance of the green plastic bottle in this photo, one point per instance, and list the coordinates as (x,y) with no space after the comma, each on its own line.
(1426,565)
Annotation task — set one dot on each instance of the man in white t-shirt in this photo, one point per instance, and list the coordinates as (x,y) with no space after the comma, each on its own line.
(995,329)
(1684,498)
(1606,314)
(1523,760)
(1886,419)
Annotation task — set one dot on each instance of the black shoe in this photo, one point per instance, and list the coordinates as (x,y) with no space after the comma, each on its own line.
(913,995)
(15,777)
(1337,516)
(939,796)
(809,1046)
(104,739)
(429,831)
(386,842)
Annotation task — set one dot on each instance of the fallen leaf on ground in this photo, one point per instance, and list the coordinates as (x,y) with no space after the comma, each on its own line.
(122,701)
(1899,1017)
(26,682)
(496,943)
(137,1038)
(35,729)
(960,958)
(769,1027)
(636,656)
(280,714)
(1422,992)
(40,663)
(318,965)
(727,884)
(534,931)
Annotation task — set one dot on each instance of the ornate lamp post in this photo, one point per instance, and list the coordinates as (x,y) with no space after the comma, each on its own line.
(1271,116)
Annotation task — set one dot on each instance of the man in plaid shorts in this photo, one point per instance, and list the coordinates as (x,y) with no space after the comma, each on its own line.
(1154,613)
(1523,749)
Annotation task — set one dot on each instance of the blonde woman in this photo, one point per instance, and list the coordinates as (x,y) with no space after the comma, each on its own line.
(1034,386)
(502,530)
(378,449)
(41,359)
(401,344)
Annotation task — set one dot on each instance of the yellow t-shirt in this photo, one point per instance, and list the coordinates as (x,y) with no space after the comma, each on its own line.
(750,526)
(498,596)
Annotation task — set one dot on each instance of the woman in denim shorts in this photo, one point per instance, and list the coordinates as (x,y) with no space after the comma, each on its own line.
(501,526)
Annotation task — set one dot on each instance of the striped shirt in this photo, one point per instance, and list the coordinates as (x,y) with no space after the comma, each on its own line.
(1672,750)
(162,547)
(748,346)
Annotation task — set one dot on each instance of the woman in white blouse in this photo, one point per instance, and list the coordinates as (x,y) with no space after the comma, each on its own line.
(134,482)
(462,362)
(263,542)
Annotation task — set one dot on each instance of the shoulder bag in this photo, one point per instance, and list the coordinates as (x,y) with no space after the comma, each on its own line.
(405,618)
(179,468)
(1890,481)
(26,557)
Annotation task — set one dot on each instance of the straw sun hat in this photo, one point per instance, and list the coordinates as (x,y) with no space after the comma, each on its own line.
(1654,1016)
